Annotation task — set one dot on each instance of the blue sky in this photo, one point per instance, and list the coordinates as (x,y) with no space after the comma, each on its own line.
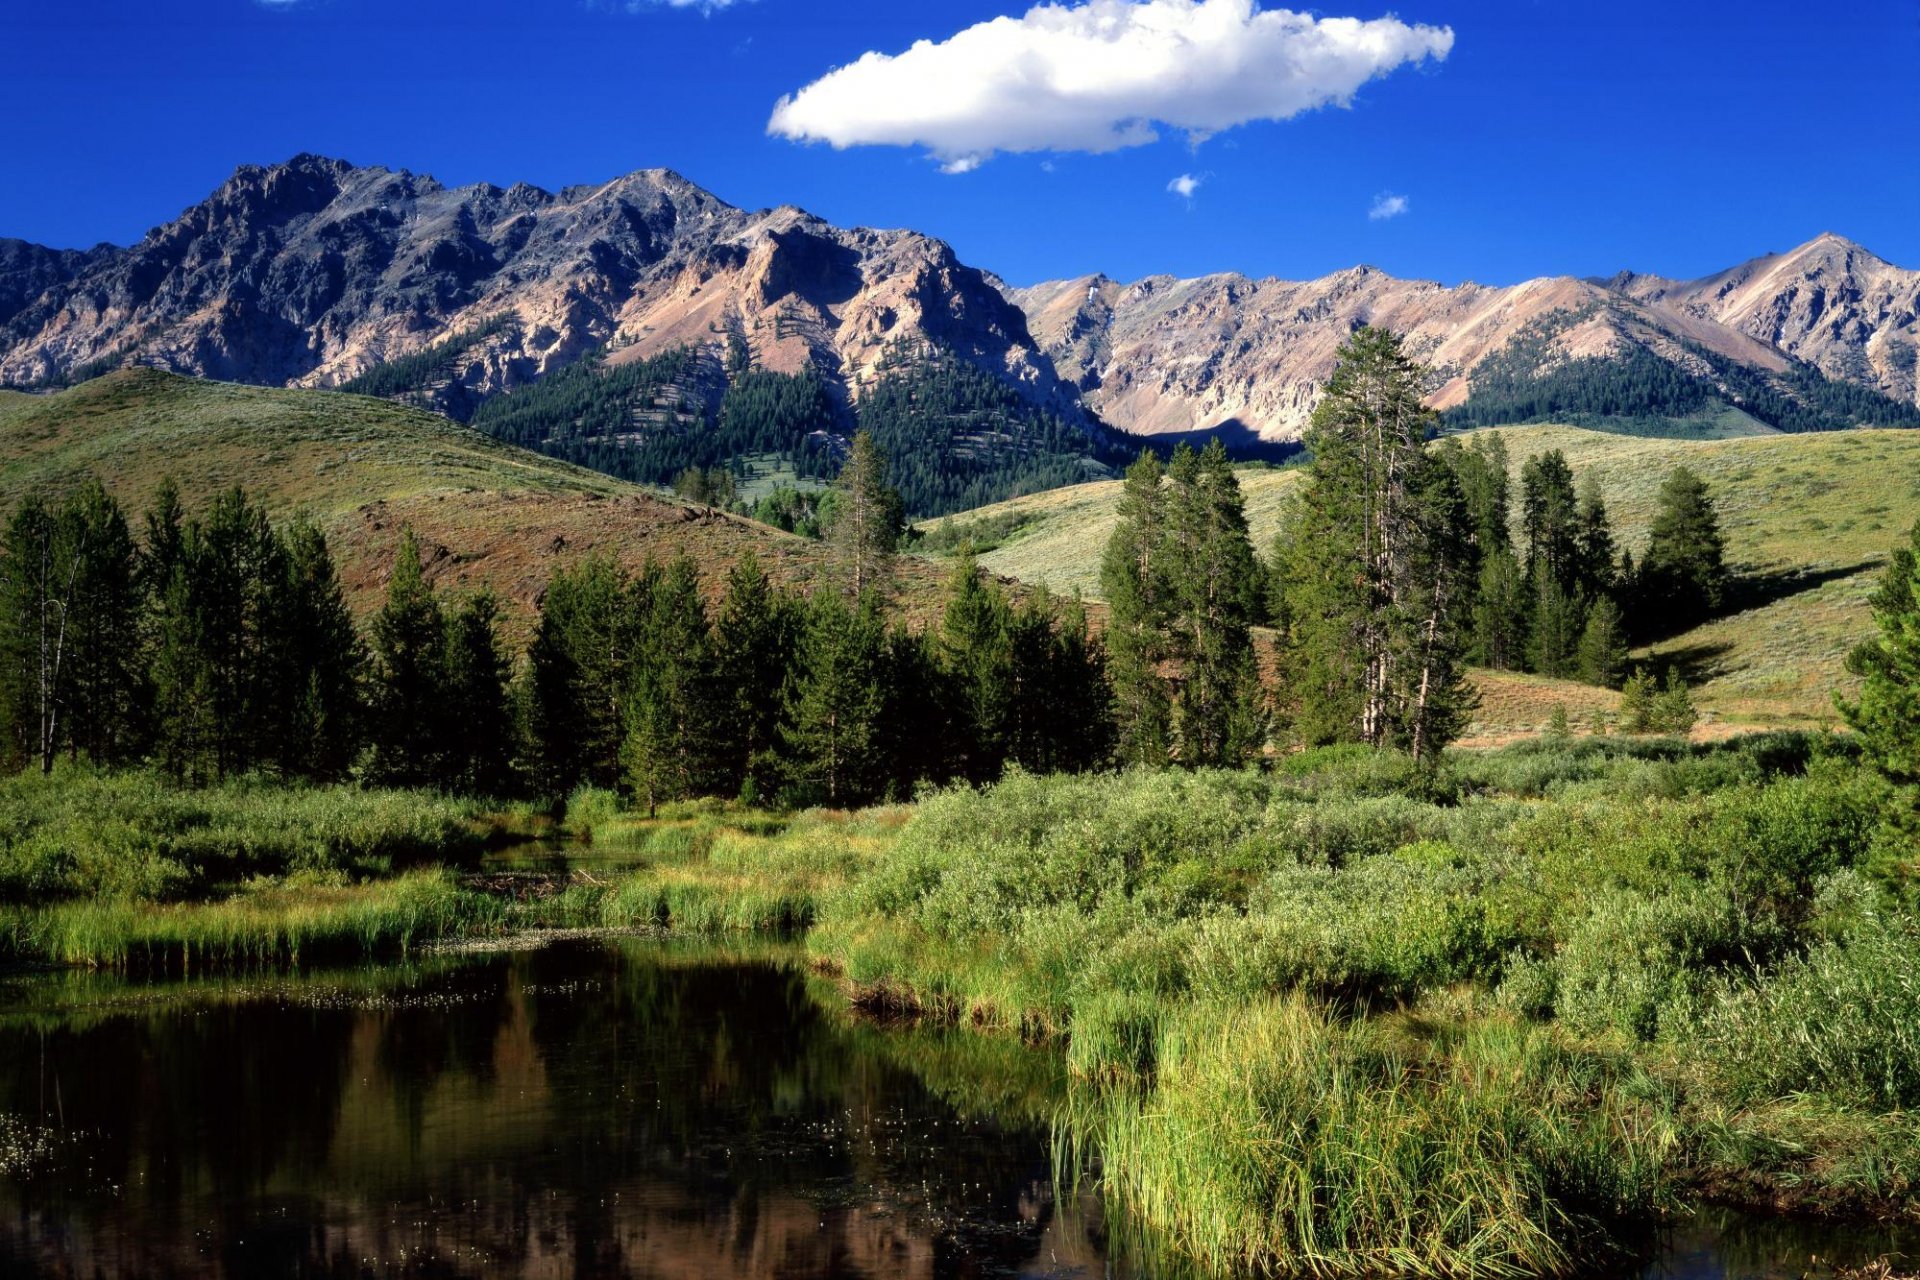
(1555,136)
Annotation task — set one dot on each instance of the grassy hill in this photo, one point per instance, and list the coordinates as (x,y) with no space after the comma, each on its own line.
(487,513)
(1809,521)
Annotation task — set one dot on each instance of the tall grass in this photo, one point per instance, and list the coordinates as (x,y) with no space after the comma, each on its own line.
(287,922)
(80,834)
(1277,1139)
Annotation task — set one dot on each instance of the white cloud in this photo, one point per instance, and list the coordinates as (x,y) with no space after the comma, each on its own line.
(1186,184)
(1099,76)
(1387,205)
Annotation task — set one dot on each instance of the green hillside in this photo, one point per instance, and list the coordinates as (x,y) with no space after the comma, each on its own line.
(488,513)
(1809,520)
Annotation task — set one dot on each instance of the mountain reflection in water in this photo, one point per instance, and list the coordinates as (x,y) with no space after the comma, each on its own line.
(586,1109)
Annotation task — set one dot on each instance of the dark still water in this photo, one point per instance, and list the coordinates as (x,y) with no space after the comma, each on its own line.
(590,1108)
(585,1109)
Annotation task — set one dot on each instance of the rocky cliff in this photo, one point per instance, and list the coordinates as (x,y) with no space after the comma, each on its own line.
(311,272)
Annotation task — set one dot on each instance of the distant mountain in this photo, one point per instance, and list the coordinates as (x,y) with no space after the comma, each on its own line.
(312,272)
(1745,349)
(1830,303)
(317,273)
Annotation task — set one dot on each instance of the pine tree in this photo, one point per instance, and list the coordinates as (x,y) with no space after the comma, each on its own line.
(580,663)
(1886,714)
(1373,562)
(410,682)
(317,720)
(106,685)
(1593,543)
(1554,629)
(1500,612)
(1137,583)
(1220,714)
(978,655)
(41,568)
(477,723)
(1638,712)
(669,701)
(1683,575)
(833,731)
(1603,645)
(868,520)
(1550,519)
(1673,709)
(231,563)
(753,641)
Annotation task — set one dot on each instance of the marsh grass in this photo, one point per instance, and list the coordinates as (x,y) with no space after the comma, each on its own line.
(1274,1137)
(79,834)
(292,921)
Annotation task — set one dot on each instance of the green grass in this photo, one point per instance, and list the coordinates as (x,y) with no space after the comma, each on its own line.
(290,920)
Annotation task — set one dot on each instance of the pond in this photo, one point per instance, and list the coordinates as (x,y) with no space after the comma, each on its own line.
(599,1107)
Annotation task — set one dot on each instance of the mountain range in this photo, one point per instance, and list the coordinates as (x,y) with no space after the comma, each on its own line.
(315,272)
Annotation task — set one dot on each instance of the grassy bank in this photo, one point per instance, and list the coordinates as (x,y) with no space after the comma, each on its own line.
(127,870)
(1345,1018)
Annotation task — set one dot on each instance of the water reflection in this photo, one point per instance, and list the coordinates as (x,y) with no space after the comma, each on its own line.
(590,1109)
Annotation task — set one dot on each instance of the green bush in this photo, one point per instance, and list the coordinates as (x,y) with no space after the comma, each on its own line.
(1843,1021)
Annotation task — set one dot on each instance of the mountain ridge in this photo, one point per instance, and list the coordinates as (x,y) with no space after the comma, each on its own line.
(314,271)
(1164,353)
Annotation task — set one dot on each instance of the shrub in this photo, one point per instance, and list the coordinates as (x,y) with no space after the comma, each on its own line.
(1843,1021)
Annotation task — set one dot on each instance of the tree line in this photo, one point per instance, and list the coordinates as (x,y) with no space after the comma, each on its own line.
(217,644)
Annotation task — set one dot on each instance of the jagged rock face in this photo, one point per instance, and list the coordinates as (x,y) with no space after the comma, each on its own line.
(313,271)
(1166,355)
(1829,302)
(1170,355)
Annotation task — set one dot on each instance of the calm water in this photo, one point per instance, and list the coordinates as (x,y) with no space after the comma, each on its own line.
(586,1109)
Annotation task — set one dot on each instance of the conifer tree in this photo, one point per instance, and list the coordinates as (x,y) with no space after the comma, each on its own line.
(833,731)
(1550,517)
(231,563)
(1603,645)
(1500,612)
(41,567)
(753,641)
(977,653)
(316,722)
(1593,543)
(1137,583)
(1554,629)
(1683,575)
(1638,712)
(669,701)
(477,724)
(106,675)
(580,663)
(1673,709)
(1886,714)
(868,520)
(1373,565)
(1220,714)
(409,676)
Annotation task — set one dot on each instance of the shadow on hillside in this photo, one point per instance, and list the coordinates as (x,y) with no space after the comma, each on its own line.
(1242,442)
(1696,663)
(1757,590)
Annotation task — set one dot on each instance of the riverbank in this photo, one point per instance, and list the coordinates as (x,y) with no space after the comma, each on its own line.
(1338,1018)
